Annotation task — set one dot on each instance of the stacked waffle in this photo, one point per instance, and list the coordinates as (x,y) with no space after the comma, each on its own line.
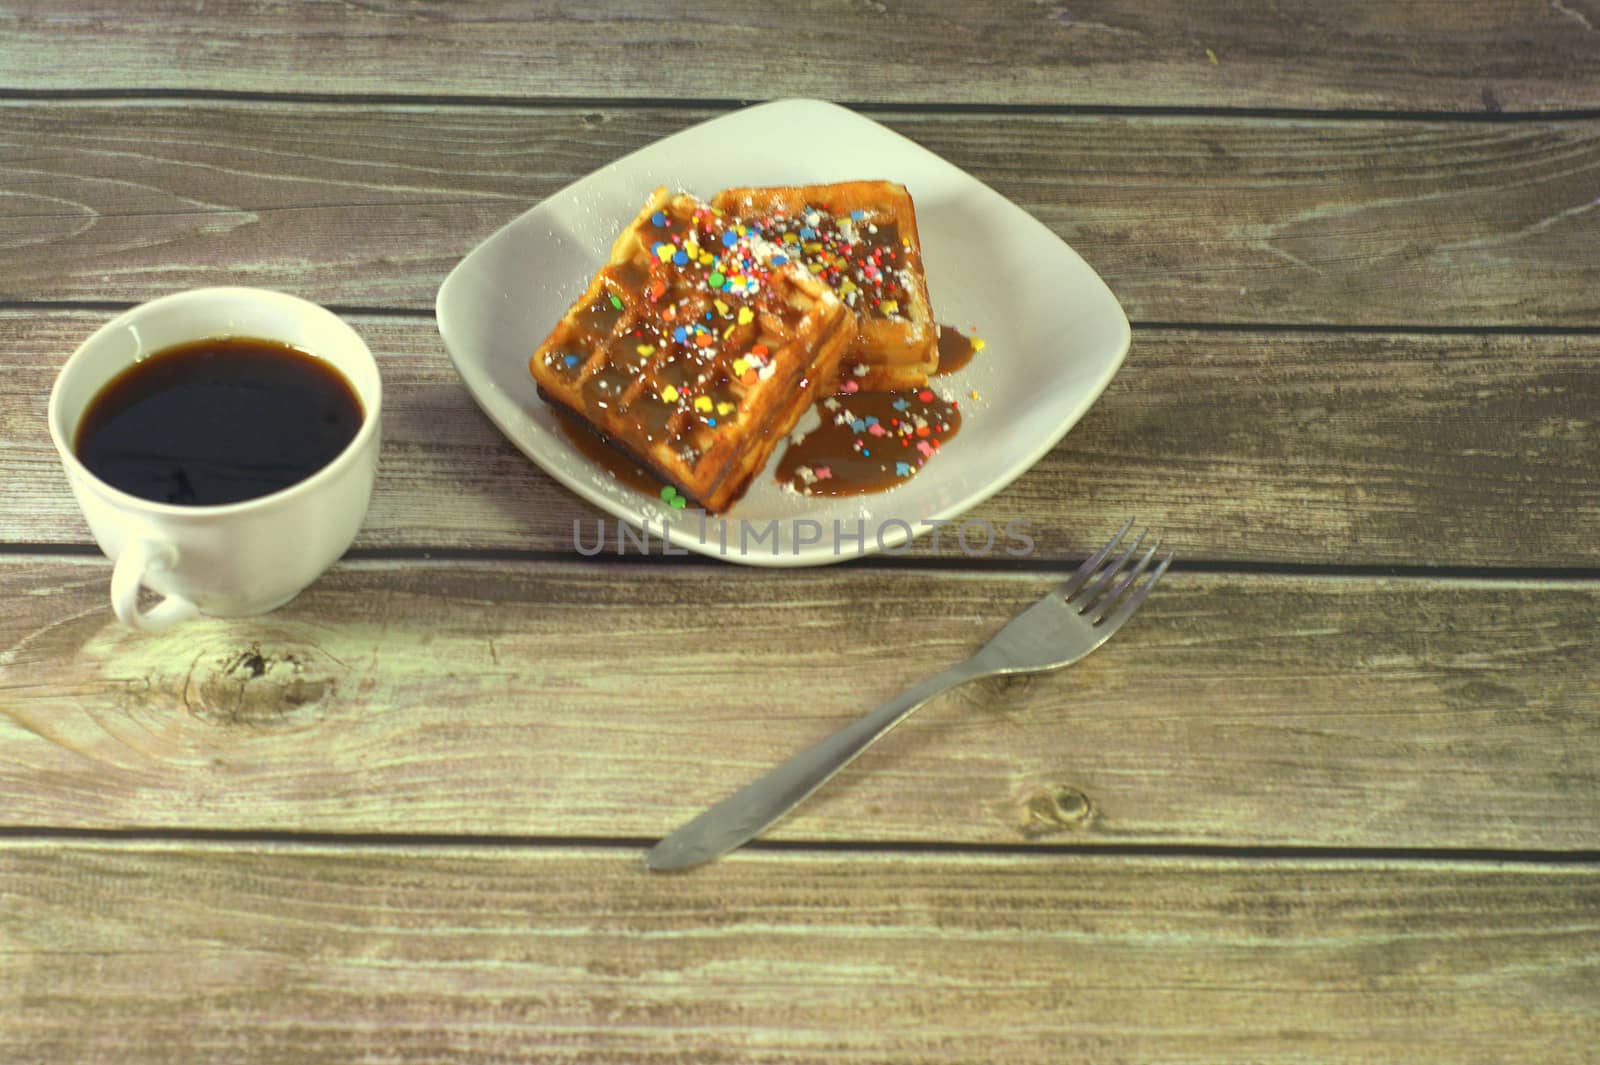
(713,327)
(861,238)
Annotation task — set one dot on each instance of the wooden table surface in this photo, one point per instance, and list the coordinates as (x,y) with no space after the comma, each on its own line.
(1333,796)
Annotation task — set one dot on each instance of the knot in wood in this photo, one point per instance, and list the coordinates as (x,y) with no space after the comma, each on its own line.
(1057,809)
(258,689)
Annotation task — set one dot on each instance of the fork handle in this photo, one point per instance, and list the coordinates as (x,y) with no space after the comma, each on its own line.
(745,814)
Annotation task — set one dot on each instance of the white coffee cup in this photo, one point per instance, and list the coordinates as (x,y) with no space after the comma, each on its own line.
(233,559)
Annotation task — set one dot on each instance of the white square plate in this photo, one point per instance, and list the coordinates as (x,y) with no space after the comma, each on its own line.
(1055,334)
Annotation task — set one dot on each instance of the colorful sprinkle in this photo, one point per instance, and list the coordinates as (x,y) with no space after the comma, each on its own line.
(680,258)
(658,219)
(863,265)
(615,302)
(646,349)
(703,404)
(571,360)
(669,394)
(729,239)
(902,469)
(746,315)
(716,279)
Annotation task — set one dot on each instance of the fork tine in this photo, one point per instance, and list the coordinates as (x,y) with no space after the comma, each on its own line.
(1091,598)
(1121,612)
(1089,566)
(1109,601)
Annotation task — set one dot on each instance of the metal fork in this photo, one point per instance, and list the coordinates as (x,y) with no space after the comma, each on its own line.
(1057,631)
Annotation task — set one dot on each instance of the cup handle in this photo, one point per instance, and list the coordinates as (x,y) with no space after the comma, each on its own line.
(139,557)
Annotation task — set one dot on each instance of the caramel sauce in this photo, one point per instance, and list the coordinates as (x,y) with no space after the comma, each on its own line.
(869,442)
(841,457)
(588,443)
(955,350)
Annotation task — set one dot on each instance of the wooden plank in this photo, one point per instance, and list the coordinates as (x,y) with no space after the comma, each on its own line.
(616,700)
(1276,447)
(280,954)
(1490,55)
(1194,219)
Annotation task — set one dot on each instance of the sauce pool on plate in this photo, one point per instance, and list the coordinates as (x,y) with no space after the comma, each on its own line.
(869,442)
(956,349)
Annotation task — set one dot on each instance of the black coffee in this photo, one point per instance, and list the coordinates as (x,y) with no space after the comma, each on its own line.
(217,421)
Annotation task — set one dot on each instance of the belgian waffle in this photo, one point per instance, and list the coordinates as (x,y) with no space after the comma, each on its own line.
(861,238)
(695,349)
